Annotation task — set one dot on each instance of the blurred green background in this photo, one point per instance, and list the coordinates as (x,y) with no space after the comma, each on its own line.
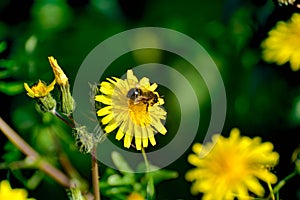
(263,99)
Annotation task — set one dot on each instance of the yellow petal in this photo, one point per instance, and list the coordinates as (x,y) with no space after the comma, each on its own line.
(103,99)
(254,186)
(60,76)
(110,127)
(197,148)
(159,127)
(131,76)
(151,136)
(127,140)
(138,143)
(194,160)
(106,88)
(107,119)
(104,111)
(153,87)
(30,93)
(119,134)
(144,82)
(138,137)
(145,137)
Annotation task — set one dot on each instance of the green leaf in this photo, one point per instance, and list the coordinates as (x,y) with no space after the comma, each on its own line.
(12,153)
(4,74)
(162,175)
(118,190)
(2,46)
(150,188)
(8,64)
(116,180)
(12,88)
(120,162)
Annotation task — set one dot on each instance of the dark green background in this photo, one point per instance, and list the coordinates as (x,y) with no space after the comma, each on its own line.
(263,99)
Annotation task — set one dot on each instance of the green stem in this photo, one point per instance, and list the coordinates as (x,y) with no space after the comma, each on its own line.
(146,160)
(71,124)
(272,196)
(282,182)
(150,185)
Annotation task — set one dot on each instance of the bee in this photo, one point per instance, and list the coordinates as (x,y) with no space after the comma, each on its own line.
(137,95)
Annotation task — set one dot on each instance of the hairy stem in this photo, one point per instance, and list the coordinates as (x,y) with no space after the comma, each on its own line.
(95,174)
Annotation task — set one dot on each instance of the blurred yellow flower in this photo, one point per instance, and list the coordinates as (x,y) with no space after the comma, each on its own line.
(39,90)
(232,168)
(60,76)
(135,196)
(7,193)
(134,107)
(283,43)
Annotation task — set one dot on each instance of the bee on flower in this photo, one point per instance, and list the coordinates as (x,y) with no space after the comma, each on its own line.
(134,107)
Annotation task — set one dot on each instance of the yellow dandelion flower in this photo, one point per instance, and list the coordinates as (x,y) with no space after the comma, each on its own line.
(232,168)
(60,76)
(134,107)
(6,192)
(283,43)
(39,90)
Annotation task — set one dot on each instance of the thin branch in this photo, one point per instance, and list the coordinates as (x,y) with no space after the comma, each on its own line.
(44,166)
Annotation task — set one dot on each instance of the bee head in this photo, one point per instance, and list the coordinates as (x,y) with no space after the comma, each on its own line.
(133,93)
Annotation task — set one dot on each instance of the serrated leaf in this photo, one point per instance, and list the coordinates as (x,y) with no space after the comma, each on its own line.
(11,88)
(120,162)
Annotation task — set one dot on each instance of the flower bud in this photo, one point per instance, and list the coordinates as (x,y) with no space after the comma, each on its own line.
(67,101)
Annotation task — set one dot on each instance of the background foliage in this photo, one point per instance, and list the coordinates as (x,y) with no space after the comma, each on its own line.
(263,99)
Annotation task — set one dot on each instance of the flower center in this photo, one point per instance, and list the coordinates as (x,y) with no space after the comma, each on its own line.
(139,114)
(231,166)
